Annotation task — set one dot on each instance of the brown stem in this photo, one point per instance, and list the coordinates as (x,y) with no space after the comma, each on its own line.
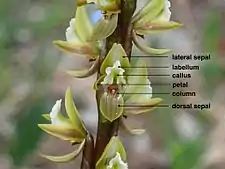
(88,153)
(123,36)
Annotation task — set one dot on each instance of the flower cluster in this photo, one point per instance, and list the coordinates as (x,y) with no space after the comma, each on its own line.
(119,78)
(118,75)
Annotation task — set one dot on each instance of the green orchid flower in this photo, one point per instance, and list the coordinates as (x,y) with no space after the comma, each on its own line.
(71,128)
(153,18)
(120,81)
(77,34)
(83,39)
(113,157)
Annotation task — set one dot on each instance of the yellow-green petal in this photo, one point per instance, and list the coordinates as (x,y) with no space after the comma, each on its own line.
(150,11)
(98,82)
(47,116)
(73,113)
(64,132)
(131,131)
(65,158)
(116,53)
(138,68)
(156,27)
(85,73)
(81,49)
(104,28)
(143,107)
(148,50)
(83,25)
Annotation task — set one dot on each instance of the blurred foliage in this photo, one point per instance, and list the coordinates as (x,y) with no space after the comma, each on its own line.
(26,138)
(20,15)
(38,21)
(186,154)
(5,39)
(213,33)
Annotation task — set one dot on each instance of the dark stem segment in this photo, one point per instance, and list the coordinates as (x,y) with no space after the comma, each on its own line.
(125,28)
(88,153)
(122,35)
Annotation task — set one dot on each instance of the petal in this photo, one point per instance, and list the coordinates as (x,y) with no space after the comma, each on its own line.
(110,106)
(56,109)
(132,131)
(114,146)
(144,107)
(66,158)
(67,133)
(156,27)
(81,49)
(148,12)
(104,28)
(138,94)
(147,49)
(138,68)
(116,53)
(73,114)
(85,73)
(117,162)
(83,24)
(47,116)
(71,34)
(60,120)
(166,13)
(138,82)
(98,82)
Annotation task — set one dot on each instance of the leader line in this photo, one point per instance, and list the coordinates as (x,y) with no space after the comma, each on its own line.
(143,67)
(145,93)
(153,84)
(160,106)
(168,75)
(153,56)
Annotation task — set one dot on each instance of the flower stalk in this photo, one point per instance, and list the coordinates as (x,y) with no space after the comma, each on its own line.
(106,41)
(122,35)
(88,153)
